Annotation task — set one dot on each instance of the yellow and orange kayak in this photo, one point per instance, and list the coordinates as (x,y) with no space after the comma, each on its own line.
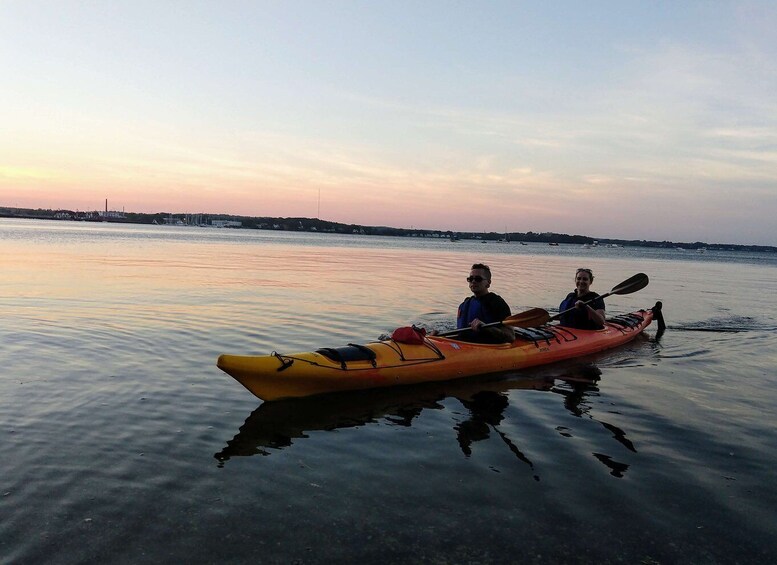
(389,363)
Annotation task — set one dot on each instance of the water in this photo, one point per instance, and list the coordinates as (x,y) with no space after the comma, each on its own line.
(125,444)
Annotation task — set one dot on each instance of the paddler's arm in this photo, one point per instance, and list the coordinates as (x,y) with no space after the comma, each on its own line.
(503,311)
(501,329)
(596,316)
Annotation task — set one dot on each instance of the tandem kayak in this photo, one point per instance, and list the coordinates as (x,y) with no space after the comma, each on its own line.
(390,363)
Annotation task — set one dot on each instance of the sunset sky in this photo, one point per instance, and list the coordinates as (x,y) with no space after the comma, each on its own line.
(623,119)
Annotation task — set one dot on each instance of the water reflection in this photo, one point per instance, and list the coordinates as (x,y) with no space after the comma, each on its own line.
(486,410)
(278,424)
(576,392)
(580,384)
(275,424)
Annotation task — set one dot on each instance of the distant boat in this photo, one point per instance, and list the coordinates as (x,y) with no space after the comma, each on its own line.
(522,243)
(553,243)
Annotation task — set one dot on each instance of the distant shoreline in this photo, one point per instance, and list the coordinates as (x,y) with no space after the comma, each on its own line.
(315,225)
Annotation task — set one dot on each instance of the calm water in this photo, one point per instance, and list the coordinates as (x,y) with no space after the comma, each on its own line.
(123,442)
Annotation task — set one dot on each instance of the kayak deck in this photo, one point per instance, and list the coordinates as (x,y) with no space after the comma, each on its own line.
(389,363)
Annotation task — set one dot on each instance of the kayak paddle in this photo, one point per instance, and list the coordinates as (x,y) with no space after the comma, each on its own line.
(529,319)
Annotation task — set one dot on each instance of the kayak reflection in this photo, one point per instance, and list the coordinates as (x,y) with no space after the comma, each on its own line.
(576,385)
(277,424)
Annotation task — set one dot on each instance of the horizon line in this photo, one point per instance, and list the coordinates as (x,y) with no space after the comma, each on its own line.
(411,229)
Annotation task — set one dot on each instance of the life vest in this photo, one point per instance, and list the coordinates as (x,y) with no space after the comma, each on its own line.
(579,318)
(472,308)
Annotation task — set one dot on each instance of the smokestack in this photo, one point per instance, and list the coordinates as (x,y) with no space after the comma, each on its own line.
(106,206)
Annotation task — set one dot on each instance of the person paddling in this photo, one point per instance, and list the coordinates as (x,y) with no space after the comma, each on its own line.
(483,307)
(581,315)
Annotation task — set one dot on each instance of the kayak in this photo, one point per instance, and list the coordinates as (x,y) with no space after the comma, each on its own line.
(389,363)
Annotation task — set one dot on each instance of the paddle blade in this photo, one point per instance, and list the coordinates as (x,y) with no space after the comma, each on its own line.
(529,319)
(633,284)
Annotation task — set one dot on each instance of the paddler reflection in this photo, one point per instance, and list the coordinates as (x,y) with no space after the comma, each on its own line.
(486,413)
(279,424)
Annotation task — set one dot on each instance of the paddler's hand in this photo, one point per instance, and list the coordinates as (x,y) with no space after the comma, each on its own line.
(476,325)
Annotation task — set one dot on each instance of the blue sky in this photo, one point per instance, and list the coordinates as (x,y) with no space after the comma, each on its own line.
(637,120)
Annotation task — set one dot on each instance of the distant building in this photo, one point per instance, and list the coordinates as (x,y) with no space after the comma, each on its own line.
(111,215)
(226,224)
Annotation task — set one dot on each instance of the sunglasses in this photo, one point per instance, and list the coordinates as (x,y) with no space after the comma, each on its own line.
(585,271)
(476,278)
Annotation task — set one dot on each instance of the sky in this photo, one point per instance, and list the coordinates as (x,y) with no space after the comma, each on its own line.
(613,119)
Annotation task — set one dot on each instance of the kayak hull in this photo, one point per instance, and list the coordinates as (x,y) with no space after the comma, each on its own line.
(389,363)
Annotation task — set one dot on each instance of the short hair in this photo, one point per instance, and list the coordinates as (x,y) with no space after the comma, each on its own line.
(482,267)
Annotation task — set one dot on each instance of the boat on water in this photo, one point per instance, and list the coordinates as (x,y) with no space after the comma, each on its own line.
(437,358)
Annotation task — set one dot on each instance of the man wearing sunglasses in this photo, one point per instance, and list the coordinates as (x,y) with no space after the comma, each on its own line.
(483,307)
